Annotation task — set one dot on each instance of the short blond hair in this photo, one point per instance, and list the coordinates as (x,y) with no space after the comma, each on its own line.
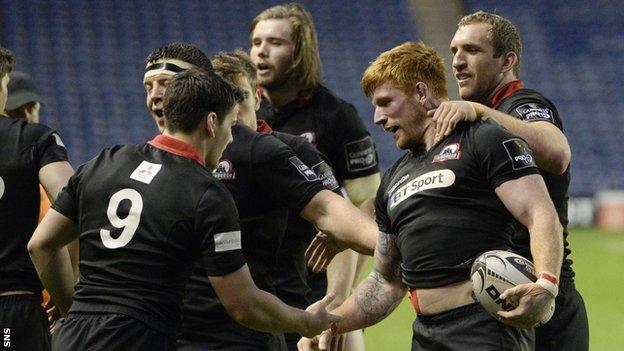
(503,34)
(232,65)
(406,65)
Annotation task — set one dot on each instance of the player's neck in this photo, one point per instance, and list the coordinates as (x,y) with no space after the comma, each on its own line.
(281,96)
(507,78)
(195,139)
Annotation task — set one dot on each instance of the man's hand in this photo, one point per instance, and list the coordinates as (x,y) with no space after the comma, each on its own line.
(326,341)
(318,319)
(449,113)
(321,251)
(533,306)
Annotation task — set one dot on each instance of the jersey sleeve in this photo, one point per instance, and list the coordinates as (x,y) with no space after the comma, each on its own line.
(218,230)
(351,150)
(381,207)
(66,202)
(533,107)
(316,161)
(287,178)
(49,148)
(501,155)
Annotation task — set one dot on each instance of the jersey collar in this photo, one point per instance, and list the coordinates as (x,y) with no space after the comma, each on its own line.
(177,147)
(263,127)
(504,92)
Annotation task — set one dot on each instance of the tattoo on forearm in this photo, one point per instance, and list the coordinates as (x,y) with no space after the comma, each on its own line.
(378,295)
(375,301)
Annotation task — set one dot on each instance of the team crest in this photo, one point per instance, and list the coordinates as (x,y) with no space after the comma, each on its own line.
(225,170)
(450,152)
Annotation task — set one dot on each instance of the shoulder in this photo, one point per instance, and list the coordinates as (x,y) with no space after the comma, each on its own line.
(529,105)
(330,101)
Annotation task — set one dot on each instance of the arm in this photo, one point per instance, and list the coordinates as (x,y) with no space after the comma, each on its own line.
(259,310)
(54,177)
(51,259)
(337,217)
(374,299)
(550,146)
(346,266)
(527,199)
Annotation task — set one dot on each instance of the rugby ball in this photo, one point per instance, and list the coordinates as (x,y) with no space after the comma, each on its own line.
(496,271)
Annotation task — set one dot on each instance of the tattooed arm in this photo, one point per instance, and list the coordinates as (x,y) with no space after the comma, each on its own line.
(379,294)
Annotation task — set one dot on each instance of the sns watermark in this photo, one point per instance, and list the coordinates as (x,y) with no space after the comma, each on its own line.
(6,337)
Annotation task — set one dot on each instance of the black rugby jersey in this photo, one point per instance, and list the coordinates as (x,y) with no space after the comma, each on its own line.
(333,126)
(442,205)
(145,213)
(24,149)
(267,180)
(290,273)
(531,106)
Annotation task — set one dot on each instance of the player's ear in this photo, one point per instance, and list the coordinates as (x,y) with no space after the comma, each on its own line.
(510,60)
(211,123)
(421,92)
(257,99)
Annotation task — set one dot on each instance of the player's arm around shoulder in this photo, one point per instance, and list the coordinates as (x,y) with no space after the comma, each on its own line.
(549,144)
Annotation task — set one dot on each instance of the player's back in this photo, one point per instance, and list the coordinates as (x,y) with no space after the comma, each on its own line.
(143,215)
(24,150)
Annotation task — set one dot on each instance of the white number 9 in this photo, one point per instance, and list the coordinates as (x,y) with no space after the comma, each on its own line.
(129,224)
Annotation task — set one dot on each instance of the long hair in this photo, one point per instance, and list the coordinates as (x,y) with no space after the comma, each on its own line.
(306,69)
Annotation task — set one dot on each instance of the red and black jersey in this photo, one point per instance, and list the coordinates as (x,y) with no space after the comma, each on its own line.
(145,213)
(333,126)
(268,181)
(531,106)
(442,205)
(24,149)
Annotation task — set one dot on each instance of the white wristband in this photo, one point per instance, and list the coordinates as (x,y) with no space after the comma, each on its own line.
(548,285)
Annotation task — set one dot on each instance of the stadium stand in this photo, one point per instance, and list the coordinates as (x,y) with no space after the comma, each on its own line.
(87,56)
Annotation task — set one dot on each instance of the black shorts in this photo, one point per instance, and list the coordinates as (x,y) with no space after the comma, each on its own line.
(23,323)
(274,342)
(107,332)
(468,328)
(568,328)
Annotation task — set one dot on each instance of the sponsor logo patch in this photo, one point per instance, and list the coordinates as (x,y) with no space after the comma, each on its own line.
(303,169)
(535,112)
(443,178)
(326,174)
(146,172)
(450,152)
(310,137)
(360,154)
(57,140)
(227,241)
(395,185)
(224,170)
(519,153)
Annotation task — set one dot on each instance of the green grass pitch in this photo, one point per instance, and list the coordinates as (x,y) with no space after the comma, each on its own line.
(599,264)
